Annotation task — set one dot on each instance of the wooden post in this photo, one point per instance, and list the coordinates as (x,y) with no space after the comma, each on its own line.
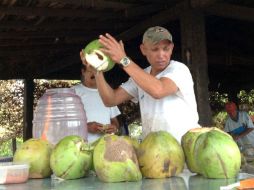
(28,108)
(195,56)
(14,145)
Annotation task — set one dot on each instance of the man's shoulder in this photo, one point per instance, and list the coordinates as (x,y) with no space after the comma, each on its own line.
(178,64)
(177,67)
(77,86)
(244,113)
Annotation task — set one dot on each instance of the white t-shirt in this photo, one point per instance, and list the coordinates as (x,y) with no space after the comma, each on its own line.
(95,109)
(244,120)
(175,113)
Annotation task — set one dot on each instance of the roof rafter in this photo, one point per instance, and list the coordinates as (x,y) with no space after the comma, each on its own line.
(94,3)
(202,3)
(161,18)
(55,12)
(231,11)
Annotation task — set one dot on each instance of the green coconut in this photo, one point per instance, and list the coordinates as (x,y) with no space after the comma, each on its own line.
(96,58)
(160,155)
(188,143)
(71,158)
(115,160)
(36,152)
(213,154)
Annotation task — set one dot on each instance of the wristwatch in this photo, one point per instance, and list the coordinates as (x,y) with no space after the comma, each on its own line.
(125,61)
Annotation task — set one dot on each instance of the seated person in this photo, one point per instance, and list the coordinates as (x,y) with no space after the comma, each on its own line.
(239,125)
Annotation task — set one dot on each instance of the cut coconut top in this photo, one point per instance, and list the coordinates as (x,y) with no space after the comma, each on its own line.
(97,59)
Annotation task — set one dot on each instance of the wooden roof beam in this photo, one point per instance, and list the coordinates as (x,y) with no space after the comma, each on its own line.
(93,3)
(42,34)
(55,12)
(159,19)
(196,4)
(144,10)
(231,11)
(65,25)
(35,52)
(58,64)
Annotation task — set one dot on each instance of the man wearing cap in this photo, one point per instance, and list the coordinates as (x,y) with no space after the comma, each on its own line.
(164,90)
(239,125)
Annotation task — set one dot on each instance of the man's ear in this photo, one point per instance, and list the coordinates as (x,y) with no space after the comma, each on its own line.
(172,45)
(82,71)
(142,49)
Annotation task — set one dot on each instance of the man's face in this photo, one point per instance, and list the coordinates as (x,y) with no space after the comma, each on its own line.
(231,110)
(159,54)
(89,78)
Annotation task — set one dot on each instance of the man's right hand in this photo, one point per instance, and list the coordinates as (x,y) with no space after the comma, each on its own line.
(94,127)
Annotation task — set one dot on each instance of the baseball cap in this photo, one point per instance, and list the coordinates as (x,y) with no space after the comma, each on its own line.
(156,34)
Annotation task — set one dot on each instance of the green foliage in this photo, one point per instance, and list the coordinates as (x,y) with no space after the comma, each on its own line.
(246,98)
(42,85)
(217,101)
(11,109)
(219,119)
(6,147)
(130,112)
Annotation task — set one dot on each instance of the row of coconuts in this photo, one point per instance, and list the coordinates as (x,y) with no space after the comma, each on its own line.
(206,151)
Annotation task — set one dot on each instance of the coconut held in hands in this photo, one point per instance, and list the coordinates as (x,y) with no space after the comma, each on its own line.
(96,58)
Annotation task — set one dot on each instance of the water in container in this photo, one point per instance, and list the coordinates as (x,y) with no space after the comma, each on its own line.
(59,113)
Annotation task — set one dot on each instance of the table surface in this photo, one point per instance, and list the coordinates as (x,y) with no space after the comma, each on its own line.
(185,181)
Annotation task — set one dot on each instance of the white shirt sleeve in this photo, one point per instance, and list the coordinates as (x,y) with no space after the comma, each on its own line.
(248,120)
(131,88)
(114,111)
(226,128)
(181,77)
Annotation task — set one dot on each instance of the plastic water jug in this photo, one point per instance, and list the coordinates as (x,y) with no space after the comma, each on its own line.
(59,113)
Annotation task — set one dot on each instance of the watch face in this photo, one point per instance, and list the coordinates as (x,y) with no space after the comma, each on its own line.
(125,61)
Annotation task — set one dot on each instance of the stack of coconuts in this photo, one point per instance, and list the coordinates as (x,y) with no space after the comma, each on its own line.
(207,151)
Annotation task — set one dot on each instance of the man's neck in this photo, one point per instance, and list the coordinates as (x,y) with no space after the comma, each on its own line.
(235,117)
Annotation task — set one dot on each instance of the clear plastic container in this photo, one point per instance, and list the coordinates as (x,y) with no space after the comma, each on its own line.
(13,172)
(59,113)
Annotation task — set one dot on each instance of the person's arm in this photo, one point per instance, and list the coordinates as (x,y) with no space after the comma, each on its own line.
(248,125)
(246,132)
(110,97)
(157,88)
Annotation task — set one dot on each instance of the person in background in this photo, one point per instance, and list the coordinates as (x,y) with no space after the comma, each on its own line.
(239,125)
(164,90)
(100,119)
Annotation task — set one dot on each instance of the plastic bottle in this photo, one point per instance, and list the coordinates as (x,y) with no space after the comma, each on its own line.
(59,113)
